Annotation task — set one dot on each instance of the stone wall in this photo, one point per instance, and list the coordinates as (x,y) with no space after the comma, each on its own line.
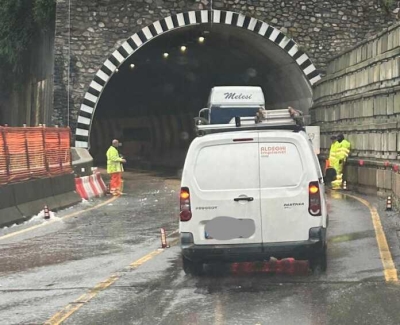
(94,29)
(360,97)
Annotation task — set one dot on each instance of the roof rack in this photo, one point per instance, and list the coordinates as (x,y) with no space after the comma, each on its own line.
(282,119)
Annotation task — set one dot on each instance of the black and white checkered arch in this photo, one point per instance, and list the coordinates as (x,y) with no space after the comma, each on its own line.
(168,24)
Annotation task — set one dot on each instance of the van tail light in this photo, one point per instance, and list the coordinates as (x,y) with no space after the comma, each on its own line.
(186,213)
(314,202)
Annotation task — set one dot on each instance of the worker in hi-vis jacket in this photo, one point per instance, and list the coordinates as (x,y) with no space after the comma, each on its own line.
(115,168)
(340,152)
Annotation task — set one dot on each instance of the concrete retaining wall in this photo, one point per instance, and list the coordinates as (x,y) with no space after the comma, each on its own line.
(20,201)
(360,97)
(82,162)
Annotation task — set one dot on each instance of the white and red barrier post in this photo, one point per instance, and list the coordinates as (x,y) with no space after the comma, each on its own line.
(90,186)
(46,212)
(164,243)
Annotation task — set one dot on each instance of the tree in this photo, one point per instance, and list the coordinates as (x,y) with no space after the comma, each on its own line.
(20,20)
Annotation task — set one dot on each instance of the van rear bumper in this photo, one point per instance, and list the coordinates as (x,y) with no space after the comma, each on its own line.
(300,250)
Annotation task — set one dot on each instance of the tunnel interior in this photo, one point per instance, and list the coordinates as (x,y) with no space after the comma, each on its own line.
(150,103)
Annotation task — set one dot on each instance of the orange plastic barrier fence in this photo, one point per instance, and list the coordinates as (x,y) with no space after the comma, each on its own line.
(33,152)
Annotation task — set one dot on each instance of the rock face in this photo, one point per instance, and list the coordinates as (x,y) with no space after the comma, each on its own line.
(360,97)
(96,28)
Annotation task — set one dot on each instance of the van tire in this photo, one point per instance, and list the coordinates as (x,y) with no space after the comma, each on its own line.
(191,267)
(319,264)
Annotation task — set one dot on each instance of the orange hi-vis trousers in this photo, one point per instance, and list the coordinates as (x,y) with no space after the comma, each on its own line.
(115,183)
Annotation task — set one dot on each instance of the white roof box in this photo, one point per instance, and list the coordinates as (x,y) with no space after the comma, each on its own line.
(236,96)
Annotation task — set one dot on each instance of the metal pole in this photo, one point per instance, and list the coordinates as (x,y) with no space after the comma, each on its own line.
(7,154)
(27,154)
(69,149)
(69,58)
(46,163)
(59,150)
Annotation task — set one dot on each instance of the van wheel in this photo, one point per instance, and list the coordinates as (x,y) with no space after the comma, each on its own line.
(192,268)
(319,264)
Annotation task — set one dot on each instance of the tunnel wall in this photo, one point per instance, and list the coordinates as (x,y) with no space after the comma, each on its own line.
(97,29)
(165,144)
(360,97)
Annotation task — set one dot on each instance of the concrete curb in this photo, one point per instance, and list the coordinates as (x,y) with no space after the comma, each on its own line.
(9,216)
(21,201)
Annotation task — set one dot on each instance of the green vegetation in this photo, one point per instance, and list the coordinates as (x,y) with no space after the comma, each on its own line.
(20,21)
(43,12)
(388,5)
(304,48)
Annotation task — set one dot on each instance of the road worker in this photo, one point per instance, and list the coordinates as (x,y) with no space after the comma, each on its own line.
(115,168)
(341,152)
(331,164)
(332,152)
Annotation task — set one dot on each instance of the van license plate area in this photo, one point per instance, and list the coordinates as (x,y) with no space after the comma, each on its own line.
(228,228)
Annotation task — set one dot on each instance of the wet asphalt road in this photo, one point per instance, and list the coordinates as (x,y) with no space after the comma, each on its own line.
(48,268)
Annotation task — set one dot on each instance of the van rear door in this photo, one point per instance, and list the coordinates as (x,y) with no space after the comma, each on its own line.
(225,196)
(284,179)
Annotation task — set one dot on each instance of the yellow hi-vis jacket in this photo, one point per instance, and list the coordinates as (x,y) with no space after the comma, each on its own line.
(343,150)
(338,155)
(333,155)
(114,162)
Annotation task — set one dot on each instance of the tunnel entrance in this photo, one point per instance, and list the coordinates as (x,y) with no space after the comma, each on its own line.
(155,91)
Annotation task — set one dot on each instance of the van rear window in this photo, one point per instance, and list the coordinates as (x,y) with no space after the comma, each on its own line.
(223,115)
(280,165)
(227,167)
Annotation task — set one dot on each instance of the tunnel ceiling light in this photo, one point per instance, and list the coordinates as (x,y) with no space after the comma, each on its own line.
(183,48)
(116,70)
(165,55)
(132,66)
(201,39)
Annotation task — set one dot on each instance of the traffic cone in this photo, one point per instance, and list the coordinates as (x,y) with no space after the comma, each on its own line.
(164,243)
(389,203)
(46,212)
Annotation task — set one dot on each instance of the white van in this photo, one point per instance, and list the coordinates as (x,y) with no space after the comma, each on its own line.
(226,102)
(248,195)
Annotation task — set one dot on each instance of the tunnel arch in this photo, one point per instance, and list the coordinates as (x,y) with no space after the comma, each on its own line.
(165,25)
